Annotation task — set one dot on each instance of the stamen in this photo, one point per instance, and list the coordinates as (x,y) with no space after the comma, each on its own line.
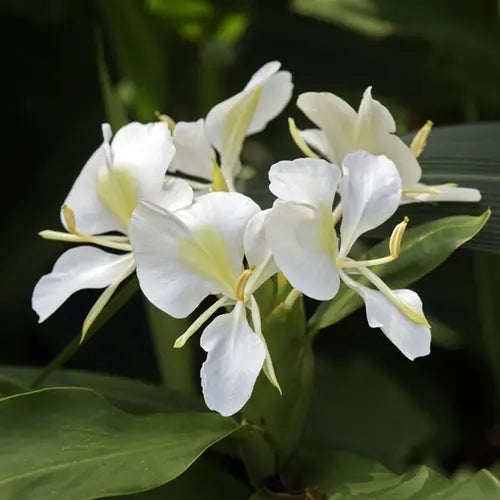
(166,119)
(418,143)
(397,237)
(69,217)
(394,248)
(241,282)
(299,141)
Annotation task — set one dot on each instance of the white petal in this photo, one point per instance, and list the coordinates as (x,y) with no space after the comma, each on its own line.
(235,355)
(275,95)
(174,194)
(157,237)
(276,92)
(193,153)
(334,117)
(375,133)
(448,193)
(91,216)
(412,339)
(258,252)
(228,215)
(371,191)
(318,140)
(306,180)
(146,151)
(303,244)
(77,269)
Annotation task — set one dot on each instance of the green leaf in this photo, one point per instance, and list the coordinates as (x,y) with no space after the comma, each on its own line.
(345,390)
(128,394)
(177,366)
(185,9)
(115,112)
(72,444)
(469,156)
(124,294)
(423,249)
(203,480)
(345,476)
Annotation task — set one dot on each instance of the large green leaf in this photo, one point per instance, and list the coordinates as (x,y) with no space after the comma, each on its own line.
(203,480)
(424,248)
(468,155)
(128,394)
(344,476)
(72,444)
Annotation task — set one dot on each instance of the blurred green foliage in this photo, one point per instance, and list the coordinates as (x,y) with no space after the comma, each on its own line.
(426,59)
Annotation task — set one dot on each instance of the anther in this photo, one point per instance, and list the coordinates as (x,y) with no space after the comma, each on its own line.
(241,282)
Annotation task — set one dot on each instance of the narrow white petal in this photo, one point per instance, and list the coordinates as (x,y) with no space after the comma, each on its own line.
(412,339)
(193,153)
(91,216)
(76,269)
(334,117)
(173,195)
(448,193)
(306,180)
(375,133)
(145,150)
(258,252)
(318,140)
(371,191)
(160,240)
(302,240)
(275,95)
(235,355)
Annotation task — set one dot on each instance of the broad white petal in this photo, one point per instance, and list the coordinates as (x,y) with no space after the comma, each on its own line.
(258,252)
(448,193)
(412,339)
(91,216)
(302,240)
(145,150)
(334,117)
(275,95)
(161,241)
(318,140)
(76,269)
(235,355)
(262,75)
(375,133)
(224,216)
(306,180)
(193,153)
(174,194)
(370,190)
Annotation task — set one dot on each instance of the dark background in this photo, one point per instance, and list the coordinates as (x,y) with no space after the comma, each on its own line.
(425,60)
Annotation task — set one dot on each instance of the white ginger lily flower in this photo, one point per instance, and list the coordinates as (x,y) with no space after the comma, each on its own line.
(184,257)
(342,131)
(300,230)
(117,176)
(248,112)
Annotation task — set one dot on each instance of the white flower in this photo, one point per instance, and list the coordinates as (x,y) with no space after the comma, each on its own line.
(300,231)
(246,113)
(343,131)
(198,251)
(113,181)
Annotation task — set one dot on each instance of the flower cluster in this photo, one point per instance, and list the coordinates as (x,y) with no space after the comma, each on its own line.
(188,243)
